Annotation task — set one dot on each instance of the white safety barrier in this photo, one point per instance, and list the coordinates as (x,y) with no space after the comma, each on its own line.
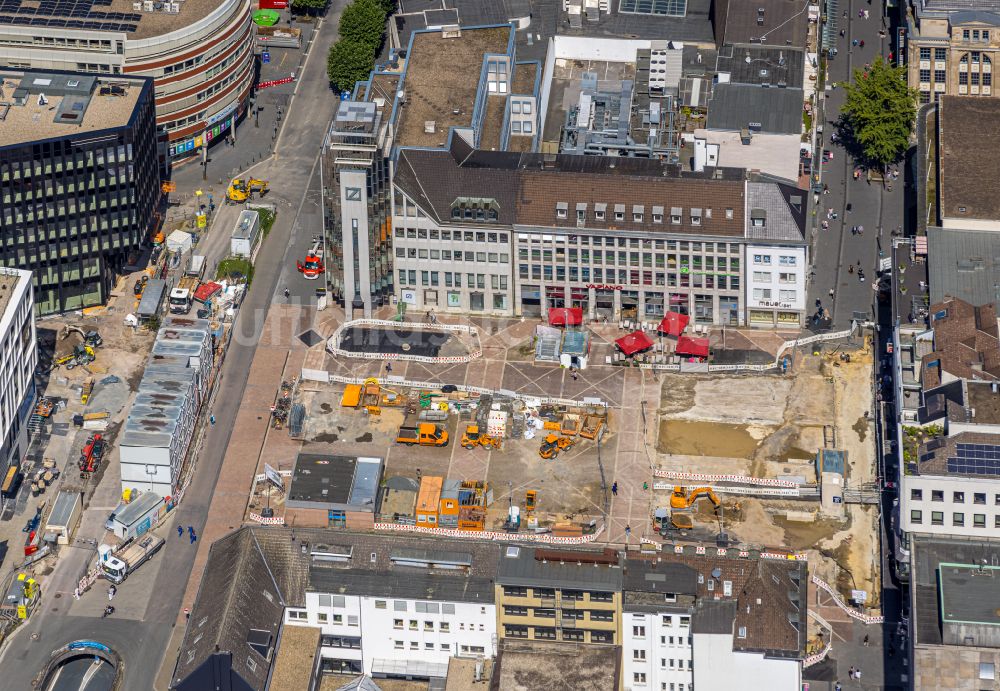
(275,520)
(851,612)
(333,347)
(752,491)
(493,535)
(818,657)
(709,477)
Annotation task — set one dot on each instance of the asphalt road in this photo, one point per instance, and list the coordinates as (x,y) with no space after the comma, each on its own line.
(836,249)
(143,641)
(80,675)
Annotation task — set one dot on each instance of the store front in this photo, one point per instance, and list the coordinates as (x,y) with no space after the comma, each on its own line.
(604,303)
(531,301)
(630,304)
(654,305)
(555,296)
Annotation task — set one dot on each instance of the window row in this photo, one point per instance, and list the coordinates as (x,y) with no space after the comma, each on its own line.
(645,243)
(575,595)
(767,294)
(623,258)
(442,627)
(449,256)
(956,497)
(628,277)
(452,279)
(783,260)
(638,215)
(940,54)
(456,235)
(957,519)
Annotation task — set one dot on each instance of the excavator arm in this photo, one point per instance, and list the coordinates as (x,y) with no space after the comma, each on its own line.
(680,500)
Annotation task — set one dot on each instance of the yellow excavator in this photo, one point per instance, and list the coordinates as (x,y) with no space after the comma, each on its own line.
(241,189)
(680,500)
(473,438)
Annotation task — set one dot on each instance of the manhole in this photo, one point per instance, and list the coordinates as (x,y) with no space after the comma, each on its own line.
(57,596)
(405,347)
(35,636)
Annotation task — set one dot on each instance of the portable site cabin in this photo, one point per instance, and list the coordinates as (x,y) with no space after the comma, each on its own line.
(65,516)
(135,518)
(152,299)
(246,234)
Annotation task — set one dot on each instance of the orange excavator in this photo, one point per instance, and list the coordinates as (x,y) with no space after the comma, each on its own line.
(680,500)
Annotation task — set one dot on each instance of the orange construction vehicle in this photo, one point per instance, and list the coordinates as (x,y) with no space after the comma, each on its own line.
(424,434)
(680,500)
(473,438)
(552,445)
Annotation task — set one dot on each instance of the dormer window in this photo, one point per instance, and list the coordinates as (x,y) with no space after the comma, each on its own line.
(696,217)
(657,214)
(619,212)
(581,212)
(456,213)
(600,211)
(562,209)
(758,218)
(675,215)
(637,213)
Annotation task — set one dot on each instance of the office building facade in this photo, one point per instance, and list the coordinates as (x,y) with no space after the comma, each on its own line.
(18,359)
(79,182)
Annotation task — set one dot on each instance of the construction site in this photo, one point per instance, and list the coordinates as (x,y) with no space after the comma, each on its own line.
(448,458)
(770,460)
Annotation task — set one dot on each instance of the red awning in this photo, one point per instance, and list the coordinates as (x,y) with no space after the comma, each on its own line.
(634,342)
(674,323)
(692,346)
(565,316)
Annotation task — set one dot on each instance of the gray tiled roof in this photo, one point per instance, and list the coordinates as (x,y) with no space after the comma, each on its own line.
(783,221)
(964,264)
(776,110)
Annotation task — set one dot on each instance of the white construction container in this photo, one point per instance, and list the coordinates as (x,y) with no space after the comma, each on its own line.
(496,424)
(65,516)
(246,234)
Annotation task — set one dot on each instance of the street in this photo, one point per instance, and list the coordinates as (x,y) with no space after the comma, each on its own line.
(143,630)
(837,253)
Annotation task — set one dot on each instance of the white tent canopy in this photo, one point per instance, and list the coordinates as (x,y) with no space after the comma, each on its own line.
(179,241)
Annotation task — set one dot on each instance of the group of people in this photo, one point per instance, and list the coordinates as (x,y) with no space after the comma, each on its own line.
(191,533)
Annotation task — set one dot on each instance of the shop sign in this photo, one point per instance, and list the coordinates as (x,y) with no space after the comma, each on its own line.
(604,286)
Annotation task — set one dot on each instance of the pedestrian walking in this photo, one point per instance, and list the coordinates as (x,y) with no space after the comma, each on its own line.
(211,420)
(866,640)
(831,293)
(573,374)
(850,672)
(628,531)
(194,537)
(180,531)
(187,613)
(388,368)
(861,43)
(857,674)
(837,687)
(614,488)
(854,43)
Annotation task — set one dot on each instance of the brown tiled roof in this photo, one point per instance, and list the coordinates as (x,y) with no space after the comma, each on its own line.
(933,456)
(966,343)
(528,187)
(776,625)
(542,190)
(970,137)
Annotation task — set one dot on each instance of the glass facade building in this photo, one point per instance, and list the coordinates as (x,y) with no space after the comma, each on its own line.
(80,199)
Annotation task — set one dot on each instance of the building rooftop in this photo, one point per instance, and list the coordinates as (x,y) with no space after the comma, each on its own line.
(112,16)
(768,22)
(9,278)
(48,105)
(762,65)
(783,208)
(947,6)
(982,405)
(769,110)
(969,133)
(321,480)
(964,264)
(576,569)
(442,81)
(966,343)
(769,598)
(536,665)
(462,673)
(968,454)
(939,596)
(296,657)
(969,593)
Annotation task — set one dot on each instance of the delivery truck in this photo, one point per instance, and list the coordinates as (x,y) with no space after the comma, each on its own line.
(117,564)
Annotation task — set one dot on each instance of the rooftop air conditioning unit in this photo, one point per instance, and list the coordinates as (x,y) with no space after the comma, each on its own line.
(147,5)
(137,6)
(175,7)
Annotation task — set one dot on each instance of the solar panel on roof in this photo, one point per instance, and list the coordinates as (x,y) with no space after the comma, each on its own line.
(664,8)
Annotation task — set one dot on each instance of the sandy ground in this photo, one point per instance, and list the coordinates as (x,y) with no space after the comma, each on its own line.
(772,426)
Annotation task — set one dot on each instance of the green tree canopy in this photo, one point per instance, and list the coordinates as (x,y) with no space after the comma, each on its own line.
(879,113)
(308,6)
(363,21)
(348,62)
(388,6)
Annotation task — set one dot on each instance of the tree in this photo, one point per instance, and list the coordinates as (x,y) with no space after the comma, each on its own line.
(879,114)
(308,6)
(348,62)
(388,6)
(363,21)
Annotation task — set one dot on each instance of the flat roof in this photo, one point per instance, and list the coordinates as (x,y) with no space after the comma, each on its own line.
(8,284)
(964,264)
(137,508)
(969,130)
(73,104)
(321,480)
(556,666)
(529,566)
(983,405)
(969,593)
(111,16)
(295,660)
(441,82)
(771,110)
(768,22)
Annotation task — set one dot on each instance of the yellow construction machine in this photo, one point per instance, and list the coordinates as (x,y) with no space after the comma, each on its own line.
(552,445)
(680,500)
(240,189)
(473,438)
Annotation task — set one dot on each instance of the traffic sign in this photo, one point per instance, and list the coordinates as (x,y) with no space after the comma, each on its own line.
(265,57)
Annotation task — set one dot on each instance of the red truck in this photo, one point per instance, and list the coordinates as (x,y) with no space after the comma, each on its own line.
(92,452)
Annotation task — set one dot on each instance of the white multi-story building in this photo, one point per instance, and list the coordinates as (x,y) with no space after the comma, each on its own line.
(698,621)
(516,234)
(393,607)
(18,359)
